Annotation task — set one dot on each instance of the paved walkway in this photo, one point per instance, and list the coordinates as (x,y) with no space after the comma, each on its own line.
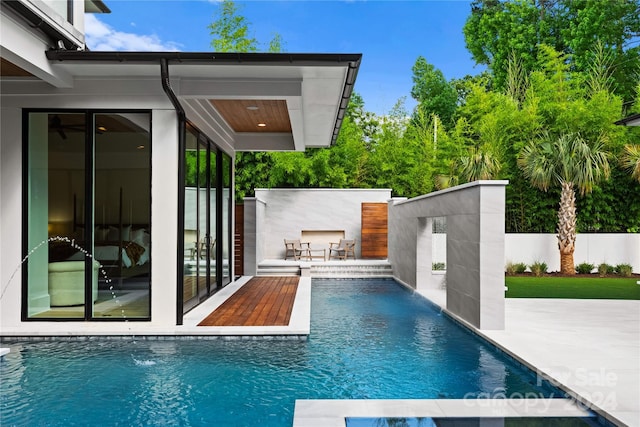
(590,348)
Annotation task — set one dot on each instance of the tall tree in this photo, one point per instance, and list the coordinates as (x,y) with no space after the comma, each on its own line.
(230,30)
(497,29)
(571,162)
(435,95)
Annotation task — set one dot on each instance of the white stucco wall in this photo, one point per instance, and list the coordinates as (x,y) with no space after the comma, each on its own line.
(10,215)
(613,249)
(287,212)
(164,209)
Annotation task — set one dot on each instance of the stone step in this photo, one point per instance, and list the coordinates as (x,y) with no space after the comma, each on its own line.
(338,269)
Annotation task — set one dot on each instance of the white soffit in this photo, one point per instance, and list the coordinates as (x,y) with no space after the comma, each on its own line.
(313,94)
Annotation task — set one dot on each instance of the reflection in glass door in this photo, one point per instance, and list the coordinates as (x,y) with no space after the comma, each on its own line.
(191,222)
(207,204)
(226,218)
(87,215)
(212,240)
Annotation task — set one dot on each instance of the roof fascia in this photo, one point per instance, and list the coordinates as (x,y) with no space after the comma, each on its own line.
(309,59)
(632,120)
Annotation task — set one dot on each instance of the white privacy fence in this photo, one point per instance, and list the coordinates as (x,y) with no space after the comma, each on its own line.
(613,249)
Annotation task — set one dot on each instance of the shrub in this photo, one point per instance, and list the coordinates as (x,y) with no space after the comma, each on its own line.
(585,268)
(538,268)
(624,270)
(438,266)
(604,269)
(521,267)
(515,268)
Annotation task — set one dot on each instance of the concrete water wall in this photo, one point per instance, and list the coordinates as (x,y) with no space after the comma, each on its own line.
(475,244)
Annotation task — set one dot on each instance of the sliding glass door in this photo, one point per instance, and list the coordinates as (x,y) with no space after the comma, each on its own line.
(207,192)
(87,214)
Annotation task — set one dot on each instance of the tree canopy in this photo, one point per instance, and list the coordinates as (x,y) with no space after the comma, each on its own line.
(558,70)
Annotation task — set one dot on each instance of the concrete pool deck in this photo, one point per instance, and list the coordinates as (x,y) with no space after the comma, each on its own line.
(298,327)
(589,348)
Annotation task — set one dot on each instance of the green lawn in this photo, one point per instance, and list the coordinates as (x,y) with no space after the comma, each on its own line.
(572,287)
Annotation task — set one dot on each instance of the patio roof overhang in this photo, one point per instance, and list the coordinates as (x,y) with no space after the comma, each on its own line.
(251,101)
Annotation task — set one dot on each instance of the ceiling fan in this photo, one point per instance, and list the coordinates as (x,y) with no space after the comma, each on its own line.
(55,125)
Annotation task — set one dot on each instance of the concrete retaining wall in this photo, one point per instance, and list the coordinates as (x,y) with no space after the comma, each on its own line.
(475,248)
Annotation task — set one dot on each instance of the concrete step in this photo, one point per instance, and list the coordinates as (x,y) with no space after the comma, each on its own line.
(338,269)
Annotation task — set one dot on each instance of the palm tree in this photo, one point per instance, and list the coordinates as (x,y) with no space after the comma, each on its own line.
(631,160)
(479,164)
(568,161)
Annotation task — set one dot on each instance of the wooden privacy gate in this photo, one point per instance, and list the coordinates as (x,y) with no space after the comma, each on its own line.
(374,231)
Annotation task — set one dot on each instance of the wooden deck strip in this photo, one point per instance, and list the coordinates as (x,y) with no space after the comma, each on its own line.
(262,301)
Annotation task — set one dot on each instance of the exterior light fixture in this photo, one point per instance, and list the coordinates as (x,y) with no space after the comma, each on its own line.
(261,125)
(252,107)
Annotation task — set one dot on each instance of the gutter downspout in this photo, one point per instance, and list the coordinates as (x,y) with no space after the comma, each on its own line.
(182,119)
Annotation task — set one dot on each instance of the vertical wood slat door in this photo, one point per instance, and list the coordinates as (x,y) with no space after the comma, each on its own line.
(238,248)
(374,231)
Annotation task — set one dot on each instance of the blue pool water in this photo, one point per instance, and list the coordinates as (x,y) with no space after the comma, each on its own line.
(369,339)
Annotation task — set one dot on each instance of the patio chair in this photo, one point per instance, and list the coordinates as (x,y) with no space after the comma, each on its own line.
(343,249)
(296,249)
(199,249)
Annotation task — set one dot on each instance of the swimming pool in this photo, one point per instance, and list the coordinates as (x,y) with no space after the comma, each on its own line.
(370,339)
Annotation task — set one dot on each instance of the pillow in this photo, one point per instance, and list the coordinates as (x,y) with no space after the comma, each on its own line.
(126,233)
(126,261)
(101,233)
(138,236)
(113,234)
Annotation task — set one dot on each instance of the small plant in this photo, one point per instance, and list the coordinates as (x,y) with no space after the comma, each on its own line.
(538,268)
(438,266)
(585,268)
(515,268)
(624,270)
(604,269)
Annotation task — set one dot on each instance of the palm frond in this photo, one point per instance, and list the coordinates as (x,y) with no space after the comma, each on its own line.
(631,160)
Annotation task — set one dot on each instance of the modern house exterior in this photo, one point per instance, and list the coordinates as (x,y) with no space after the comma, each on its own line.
(117,168)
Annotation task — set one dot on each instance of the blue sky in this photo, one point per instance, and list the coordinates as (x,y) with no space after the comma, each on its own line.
(390,35)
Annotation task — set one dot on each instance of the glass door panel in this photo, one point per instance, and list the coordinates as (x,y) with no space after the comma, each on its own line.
(122,215)
(191,237)
(56,241)
(212,220)
(227,195)
(203,212)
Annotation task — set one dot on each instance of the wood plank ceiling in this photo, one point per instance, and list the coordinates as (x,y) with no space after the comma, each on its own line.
(245,115)
(9,69)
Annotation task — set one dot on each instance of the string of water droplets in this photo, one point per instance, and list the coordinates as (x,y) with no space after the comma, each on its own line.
(74,245)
